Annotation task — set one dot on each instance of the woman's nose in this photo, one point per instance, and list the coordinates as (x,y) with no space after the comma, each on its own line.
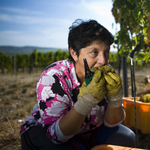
(101,59)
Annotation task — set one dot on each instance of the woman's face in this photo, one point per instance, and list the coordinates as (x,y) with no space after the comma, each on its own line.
(97,54)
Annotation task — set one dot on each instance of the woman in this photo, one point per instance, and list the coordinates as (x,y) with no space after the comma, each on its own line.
(70,114)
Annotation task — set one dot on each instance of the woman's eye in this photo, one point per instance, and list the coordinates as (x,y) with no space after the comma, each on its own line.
(94,52)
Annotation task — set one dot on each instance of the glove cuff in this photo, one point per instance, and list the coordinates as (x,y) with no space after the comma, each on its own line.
(85,104)
(115,100)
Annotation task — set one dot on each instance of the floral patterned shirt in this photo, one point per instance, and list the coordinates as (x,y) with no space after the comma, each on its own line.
(57,91)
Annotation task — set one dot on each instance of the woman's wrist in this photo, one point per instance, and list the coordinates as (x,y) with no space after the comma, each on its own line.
(85,104)
(115,100)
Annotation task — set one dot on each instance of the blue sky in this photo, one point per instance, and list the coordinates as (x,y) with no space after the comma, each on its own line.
(45,23)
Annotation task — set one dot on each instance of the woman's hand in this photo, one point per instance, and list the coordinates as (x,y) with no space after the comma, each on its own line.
(114,92)
(90,95)
(96,87)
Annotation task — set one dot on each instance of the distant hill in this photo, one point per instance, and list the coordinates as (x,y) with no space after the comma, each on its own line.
(11,50)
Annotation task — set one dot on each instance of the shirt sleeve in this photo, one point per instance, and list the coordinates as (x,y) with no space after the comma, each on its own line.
(58,137)
(54,102)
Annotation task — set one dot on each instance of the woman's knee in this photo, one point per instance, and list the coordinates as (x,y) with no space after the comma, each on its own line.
(123,137)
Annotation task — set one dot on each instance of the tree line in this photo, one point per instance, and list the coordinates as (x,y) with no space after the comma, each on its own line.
(39,60)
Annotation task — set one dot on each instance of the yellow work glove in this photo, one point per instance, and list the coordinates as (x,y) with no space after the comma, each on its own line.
(90,95)
(114,89)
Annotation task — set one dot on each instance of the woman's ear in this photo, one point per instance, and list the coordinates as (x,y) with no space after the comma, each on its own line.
(73,54)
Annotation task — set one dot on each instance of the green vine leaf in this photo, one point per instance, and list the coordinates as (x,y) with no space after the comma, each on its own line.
(146,7)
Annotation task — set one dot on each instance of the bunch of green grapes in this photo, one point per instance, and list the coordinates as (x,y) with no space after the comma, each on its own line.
(105,69)
(109,74)
(145,98)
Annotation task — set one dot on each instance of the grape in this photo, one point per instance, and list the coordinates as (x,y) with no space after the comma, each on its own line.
(145,98)
(105,69)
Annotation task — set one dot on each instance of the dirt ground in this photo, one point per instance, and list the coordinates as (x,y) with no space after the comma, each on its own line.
(18,96)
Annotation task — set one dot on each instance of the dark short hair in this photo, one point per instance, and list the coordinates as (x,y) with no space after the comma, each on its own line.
(83,33)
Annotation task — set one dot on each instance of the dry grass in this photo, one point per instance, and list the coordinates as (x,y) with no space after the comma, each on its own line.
(18,96)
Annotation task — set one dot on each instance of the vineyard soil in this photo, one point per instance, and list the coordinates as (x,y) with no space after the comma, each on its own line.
(18,96)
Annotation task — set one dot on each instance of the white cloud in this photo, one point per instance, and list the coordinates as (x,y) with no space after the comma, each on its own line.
(20,11)
(9,32)
(5,17)
(20,19)
(101,8)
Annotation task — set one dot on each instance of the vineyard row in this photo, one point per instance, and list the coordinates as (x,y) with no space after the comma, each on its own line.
(41,60)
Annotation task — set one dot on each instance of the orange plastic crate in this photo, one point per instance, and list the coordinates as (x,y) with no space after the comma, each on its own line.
(142,114)
(113,147)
